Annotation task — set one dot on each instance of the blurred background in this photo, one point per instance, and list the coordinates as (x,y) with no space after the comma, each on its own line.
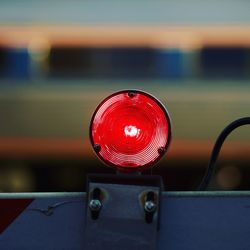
(59,59)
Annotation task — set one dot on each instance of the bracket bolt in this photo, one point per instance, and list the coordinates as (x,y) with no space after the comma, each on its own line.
(150,206)
(95,205)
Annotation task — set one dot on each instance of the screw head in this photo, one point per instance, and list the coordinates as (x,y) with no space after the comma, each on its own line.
(97,148)
(150,206)
(161,150)
(131,94)
(95,205)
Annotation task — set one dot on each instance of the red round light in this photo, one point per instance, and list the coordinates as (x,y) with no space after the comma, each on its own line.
(130,130)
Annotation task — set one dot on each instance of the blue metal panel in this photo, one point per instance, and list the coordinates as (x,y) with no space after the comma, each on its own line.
(33,229)
(189,220)
(209,221)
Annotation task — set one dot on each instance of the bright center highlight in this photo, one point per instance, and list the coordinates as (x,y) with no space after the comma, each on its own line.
(131,131)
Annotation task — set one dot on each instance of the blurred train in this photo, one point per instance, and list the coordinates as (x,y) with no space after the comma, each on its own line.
(54,73)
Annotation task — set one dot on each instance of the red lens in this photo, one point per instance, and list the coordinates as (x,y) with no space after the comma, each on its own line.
(130,130)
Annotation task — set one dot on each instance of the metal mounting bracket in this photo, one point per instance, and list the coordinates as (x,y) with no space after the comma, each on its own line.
(122,212)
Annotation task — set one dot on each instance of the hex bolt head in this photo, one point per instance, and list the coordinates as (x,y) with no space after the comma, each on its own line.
(95,205)
(150,206)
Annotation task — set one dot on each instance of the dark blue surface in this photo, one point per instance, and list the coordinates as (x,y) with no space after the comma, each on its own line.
(209,222)
(169,63)
(189,221)
(16,63)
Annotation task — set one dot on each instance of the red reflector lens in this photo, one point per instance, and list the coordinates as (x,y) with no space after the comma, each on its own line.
(130,130)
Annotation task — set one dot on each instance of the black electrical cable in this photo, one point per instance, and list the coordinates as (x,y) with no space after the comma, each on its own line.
(217,147)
